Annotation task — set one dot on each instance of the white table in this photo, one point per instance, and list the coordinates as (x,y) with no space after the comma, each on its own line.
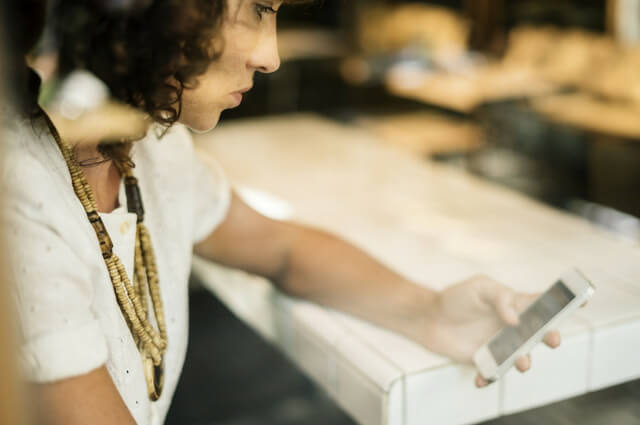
(436,225)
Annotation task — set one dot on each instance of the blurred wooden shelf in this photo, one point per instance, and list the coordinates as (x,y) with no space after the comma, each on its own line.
(464,92)
(296,44)
(426,133)
(619,119)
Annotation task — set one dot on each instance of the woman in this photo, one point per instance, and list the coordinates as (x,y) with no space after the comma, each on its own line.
(103,282)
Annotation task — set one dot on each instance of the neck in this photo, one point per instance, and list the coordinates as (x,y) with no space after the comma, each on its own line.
(103,177)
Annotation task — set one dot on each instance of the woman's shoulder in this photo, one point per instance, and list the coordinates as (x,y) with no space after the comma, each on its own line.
(52,258)
(35,180)
(24,143)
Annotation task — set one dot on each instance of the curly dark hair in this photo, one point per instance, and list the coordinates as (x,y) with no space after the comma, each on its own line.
(136,53)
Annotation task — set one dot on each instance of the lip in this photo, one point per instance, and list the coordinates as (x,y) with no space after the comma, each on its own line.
(237,95)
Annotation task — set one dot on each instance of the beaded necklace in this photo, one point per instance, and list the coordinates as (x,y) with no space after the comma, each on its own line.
(132,299)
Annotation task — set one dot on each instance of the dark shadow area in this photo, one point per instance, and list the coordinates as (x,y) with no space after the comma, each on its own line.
(234,377)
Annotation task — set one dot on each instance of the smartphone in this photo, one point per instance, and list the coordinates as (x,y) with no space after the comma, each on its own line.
(570,292)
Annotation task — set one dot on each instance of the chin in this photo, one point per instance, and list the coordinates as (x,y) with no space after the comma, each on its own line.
(202,125)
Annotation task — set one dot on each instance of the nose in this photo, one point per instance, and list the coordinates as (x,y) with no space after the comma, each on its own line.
(265,57)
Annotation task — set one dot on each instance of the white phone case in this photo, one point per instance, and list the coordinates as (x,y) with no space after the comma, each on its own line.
(485,362)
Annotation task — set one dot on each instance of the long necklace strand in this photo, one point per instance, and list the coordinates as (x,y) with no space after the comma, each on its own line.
(132,299)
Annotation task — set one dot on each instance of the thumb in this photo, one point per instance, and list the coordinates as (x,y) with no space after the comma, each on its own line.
(505,305)
(523,301)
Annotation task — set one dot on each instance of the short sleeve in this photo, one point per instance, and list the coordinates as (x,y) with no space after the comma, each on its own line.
(212,194)
(61,336)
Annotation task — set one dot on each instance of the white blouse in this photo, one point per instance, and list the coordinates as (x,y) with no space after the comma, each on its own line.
(70,321)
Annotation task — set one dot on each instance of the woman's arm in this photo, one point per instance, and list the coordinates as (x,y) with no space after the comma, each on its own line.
(87,399)
(320,267)
(314,265)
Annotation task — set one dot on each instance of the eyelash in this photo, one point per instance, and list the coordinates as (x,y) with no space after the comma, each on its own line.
(262,9)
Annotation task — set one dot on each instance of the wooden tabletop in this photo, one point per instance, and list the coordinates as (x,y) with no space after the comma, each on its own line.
(436,225)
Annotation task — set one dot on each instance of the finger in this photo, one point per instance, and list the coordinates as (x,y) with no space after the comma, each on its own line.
(523,364)
(552,339)
(481,382)
(524,300)
(504,304)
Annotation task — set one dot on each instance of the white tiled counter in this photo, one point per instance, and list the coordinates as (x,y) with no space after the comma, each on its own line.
(436,225)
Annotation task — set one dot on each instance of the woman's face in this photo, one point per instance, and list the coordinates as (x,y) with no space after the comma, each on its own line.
(250,45)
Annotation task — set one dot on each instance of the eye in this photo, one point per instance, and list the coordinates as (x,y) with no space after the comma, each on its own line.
(261,9)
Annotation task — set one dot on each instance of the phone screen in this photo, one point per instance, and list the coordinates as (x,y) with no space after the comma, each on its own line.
(531,321)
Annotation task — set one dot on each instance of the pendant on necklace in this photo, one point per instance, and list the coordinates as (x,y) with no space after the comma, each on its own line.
(154,376)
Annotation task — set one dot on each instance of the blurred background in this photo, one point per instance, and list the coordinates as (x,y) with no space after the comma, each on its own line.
(541,96)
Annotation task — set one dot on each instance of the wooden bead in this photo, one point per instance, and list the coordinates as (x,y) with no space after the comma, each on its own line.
(132,299)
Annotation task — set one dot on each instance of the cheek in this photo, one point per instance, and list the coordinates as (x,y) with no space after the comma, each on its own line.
(240,40)
(200,108)
(202,105)
(206,94)
(229,67)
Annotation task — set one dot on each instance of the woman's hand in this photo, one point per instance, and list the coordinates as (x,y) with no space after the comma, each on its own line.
(466,315)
